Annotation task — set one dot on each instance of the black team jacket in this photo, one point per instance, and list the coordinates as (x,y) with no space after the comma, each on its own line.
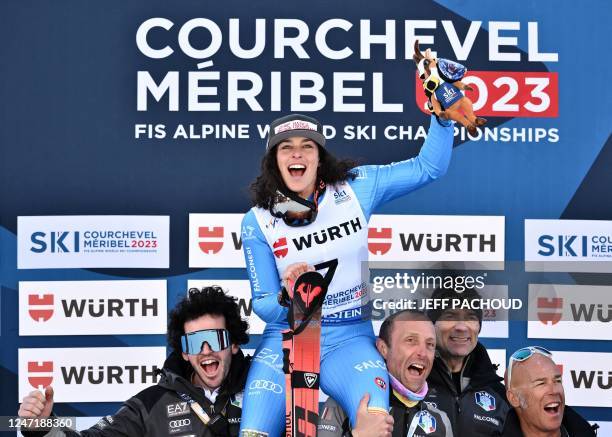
(160,411)
(480,407)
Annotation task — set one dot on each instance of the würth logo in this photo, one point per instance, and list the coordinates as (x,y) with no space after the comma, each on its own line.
(322,236)
(211,239)
(40,307)
(550,310)
(591,379)
(280,248)
(40,374)
(448,242)
(379,240)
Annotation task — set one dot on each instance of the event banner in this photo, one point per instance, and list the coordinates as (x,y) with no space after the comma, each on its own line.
(133,133)
(92,307)
(93,241)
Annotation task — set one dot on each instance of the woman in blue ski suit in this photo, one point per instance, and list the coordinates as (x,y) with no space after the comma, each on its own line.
(337,200)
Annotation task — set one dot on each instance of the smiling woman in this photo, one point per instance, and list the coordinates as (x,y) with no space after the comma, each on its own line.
(311,210)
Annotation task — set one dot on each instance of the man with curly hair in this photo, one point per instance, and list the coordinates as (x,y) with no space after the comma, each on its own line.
(201,385)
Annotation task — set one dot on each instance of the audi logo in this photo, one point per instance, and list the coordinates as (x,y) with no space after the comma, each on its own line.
(262,384)
(180,423)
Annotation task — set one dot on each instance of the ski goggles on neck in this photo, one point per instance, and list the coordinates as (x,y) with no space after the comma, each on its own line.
(192,343)
(294,210)
(523,354)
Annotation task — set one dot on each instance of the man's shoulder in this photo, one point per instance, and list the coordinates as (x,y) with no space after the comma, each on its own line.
(150,397)
(512,426)
(576,425)
(433,409)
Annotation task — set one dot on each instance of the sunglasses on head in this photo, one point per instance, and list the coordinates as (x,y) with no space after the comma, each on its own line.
(524,354)
(192,343)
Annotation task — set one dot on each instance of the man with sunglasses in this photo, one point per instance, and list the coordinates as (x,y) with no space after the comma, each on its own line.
(463,382)
(202,381)
(535,391)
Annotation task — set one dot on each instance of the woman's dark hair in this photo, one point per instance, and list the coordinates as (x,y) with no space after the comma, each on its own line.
(208,300)
(331,171)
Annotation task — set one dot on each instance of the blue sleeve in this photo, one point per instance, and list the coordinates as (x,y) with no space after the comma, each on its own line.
(377,184)
(262,272)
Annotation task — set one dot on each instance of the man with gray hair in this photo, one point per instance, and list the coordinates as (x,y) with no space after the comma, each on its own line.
(535,391)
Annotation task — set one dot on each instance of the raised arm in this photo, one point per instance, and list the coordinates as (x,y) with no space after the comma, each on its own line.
(377,184)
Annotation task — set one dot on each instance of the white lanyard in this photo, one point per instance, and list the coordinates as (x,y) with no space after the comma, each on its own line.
(195,407)
(413,424)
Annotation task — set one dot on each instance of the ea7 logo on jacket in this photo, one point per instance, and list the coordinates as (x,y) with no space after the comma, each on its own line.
(177,409)
(485,401)
(427,422)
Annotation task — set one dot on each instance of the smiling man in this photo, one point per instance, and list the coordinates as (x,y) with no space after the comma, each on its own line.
(407,342)
(535,391)
(201,384)
(463,382)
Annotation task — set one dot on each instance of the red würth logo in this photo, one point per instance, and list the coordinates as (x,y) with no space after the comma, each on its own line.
(211,239)
(40,374)
(550,310)
(40,307)
(379,240)
(560,368)
(280,248)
